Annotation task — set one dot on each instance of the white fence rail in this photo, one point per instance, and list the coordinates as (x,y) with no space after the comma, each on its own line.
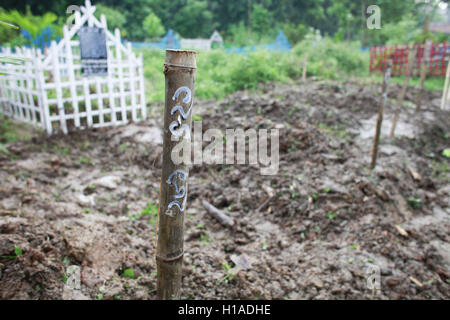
(49,90)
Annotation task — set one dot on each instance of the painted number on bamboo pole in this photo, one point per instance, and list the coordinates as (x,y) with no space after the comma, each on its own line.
(177,175)
(177,124)
(177,128)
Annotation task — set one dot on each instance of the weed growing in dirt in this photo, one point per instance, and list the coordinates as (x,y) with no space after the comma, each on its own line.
(4,151)
(265,245)
(62,150)
(128,273)
(446,153)
(205,238)
(152,212)
(414,203)
(331,215)
(440,169)
(85,160)
(334,131)
(229,274)
(7,132)
(17,253)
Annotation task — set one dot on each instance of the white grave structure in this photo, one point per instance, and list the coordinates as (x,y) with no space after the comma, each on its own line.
(69,87)
(202,44)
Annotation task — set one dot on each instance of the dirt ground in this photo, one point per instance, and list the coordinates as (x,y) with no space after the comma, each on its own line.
(310,232)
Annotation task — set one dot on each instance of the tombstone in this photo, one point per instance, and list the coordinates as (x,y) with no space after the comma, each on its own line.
(94,56)
(216,38)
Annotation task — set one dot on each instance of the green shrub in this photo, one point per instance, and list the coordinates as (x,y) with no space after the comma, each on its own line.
(220,73)
(333,60)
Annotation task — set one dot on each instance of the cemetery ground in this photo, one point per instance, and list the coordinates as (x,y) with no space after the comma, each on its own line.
(310,232)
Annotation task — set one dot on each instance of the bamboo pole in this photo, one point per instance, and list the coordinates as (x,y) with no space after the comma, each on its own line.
(383,99)
(445,92)
(305,66)
(402,93)
(179,71)
(423,73)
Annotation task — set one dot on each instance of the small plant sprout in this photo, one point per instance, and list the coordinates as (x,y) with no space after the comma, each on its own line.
(446,153)
(152,212)
(128,273)
(414,203)
(331,215)
(229,273)
(18,251)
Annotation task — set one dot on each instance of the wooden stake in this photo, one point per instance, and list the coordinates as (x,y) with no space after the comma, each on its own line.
(423,73)
(383,99)
(402,93)
(179,69)
(305,66)
(445,92)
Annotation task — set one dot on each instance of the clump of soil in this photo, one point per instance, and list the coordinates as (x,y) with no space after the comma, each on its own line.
(312,231)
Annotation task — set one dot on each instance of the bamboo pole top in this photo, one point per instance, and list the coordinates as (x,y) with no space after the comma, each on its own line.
(181,58)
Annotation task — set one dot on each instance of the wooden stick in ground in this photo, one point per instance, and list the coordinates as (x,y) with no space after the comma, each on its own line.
(179,71)
(445,92)
(402,93)
(383,99)
(305,67)
(219,215)
(423,73)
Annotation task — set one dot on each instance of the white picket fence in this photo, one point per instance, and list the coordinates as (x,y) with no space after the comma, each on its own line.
(49,90)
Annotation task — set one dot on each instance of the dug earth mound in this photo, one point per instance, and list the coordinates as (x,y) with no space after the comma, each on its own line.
(315,230)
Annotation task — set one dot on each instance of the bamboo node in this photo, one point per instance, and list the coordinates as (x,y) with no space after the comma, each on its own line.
(178,65)
(170,259)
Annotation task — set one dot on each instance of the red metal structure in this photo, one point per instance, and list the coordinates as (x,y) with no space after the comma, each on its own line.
(437,60)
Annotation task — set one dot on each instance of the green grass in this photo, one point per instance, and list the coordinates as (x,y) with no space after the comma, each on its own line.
(431,83)
(220,73)
(128,273)
(151,211)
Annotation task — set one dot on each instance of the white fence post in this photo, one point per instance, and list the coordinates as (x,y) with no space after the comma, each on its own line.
(71,72)
(120,73)
(26,83)
(141,84)
(57,81)
(42,96)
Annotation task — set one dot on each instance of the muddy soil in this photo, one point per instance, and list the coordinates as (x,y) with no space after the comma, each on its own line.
(315,230)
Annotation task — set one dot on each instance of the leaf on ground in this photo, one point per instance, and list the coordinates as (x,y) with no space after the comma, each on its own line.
(241,261)
(417,282)
(401,230)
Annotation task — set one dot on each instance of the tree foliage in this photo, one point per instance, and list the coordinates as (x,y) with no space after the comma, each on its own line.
(114,17)
(342,19)
(153,26)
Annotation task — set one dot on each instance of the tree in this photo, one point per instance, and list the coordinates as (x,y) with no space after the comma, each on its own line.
(193,19)
(261,20)
(295,33)
(32,24)
(114,17)
(153,26)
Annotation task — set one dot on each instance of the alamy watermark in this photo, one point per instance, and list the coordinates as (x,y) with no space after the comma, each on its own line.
(72,283)
(374,20)
(234,146)
(374,277)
